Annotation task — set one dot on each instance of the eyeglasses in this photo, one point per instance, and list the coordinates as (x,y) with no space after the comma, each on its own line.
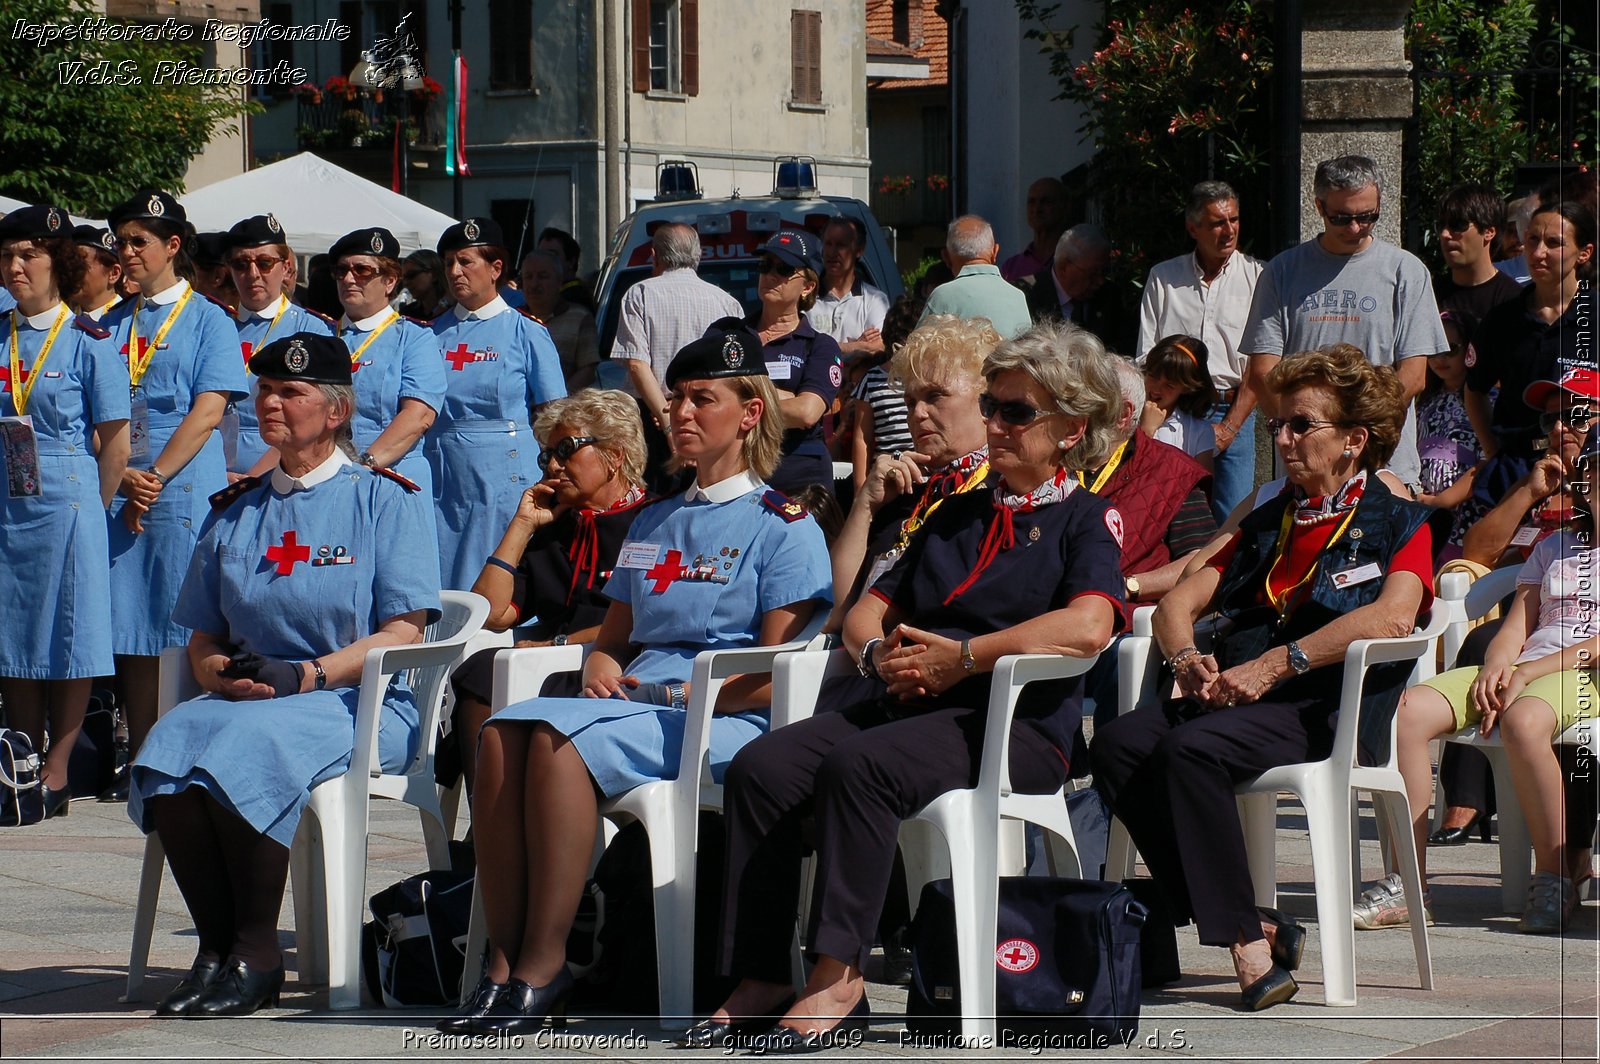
(1298,425)
(1339,221)
(782,269)
(263,264)
(1013,412)
(1577,419)
(359,270)
(564,449)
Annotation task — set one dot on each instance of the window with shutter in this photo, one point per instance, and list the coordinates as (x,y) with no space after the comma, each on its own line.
(805,56)
(666,46)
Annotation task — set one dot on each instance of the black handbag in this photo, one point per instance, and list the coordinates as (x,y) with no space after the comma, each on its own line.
(1066,964)
(413,950)
(20,801)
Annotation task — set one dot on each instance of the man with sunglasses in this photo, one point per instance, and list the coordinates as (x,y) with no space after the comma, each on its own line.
(1347,286)
(1470,216)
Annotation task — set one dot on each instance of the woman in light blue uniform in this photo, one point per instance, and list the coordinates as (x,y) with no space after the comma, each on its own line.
(297,575)
(499,364)
(727,564)
(256,252)
(63,375)
(399,376)
(182,353)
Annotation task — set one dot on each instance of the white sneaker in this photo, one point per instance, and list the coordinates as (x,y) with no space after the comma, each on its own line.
(1384,905)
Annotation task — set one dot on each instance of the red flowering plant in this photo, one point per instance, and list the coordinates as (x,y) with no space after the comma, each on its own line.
(339,88)
(308,92)
(938,182)
(896,185)
(428,91)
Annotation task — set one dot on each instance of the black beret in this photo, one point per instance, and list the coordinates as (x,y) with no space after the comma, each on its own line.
(796,247)
(39,222)
(304,356)
(728,349)
(472,233)
(210,249)
(146,204)
(374,241)
(89,236)
(255,231)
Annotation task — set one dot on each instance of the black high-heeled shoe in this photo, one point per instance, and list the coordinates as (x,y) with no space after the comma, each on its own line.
(55,803)
(1458,836)
(710,1034)
(484,999)
(1289,944)
(1274,988)
(237,991)
(201,975)
(524,1008)
(788,1041)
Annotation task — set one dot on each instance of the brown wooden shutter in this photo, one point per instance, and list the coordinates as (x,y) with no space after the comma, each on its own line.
(641,45)
(805,55)
(689,27)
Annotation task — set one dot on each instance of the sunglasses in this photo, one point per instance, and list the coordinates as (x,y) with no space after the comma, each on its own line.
(1577,419)
(782,269)
(137,243)
(1013,412)
(564,449)
(359,270)
(1339,221)
(1457,224)
(1298,425)
(264,264)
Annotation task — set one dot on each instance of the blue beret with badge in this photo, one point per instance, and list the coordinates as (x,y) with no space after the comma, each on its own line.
(728,349)
(472,233)
(254,232)
(40,222)
(89,236)
(148,204)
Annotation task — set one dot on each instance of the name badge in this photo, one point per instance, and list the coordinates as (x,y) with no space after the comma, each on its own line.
(21,448)
(138,429)
(780,370)
(1359,575)
(882,565)
(1525,537)
(638,555)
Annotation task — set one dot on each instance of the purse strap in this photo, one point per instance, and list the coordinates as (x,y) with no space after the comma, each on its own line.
(9,775)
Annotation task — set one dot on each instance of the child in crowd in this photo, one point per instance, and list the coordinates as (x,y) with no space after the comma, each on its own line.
(1445,439)
(1178,394)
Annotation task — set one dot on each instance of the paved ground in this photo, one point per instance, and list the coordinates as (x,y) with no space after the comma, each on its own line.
(67,891)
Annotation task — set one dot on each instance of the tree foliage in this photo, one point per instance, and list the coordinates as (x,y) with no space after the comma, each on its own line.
(87,146)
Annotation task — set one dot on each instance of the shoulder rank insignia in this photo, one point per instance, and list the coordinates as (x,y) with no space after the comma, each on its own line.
(400,479)
(224,498)
(90,326)
(230,310)
(526,313)
(783,506)
(320,317)
(424,322)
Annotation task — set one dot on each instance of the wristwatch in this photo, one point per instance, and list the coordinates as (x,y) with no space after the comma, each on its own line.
(558,640)
(1132,585)
(968,662)
(1298,660)
(864,664)
(322,676)
(367,460)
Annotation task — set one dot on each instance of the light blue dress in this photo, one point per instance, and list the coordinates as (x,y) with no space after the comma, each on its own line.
(294,577)
(481,448)
(698,576)
(57,574)
(402,363)
(241,432)
(199,354)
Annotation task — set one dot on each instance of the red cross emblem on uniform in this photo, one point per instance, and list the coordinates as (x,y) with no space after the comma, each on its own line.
(287,553)
(666,571)
(5,376)
(461,357)
(144,345)
(247,347)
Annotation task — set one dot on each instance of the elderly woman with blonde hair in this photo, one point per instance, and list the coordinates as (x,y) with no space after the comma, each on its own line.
(1027,566)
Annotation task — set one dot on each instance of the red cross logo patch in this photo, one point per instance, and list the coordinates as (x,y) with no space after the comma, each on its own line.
(285,554)
(5,376)
(1016,955)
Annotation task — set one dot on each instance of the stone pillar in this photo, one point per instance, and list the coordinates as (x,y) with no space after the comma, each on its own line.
(1357,96)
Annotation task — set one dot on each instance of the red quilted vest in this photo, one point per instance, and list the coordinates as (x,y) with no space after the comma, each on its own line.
(1147,488)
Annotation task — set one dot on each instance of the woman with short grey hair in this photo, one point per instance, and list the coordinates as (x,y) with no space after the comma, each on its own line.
(1072,366)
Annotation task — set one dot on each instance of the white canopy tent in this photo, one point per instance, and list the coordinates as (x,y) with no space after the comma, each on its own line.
(316,203)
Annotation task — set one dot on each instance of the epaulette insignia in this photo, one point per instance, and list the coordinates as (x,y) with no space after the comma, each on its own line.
(92,327)
(526,313)
(231,310)
(223,499)
(320,317)
(783,506)
(424,322)
(400,479)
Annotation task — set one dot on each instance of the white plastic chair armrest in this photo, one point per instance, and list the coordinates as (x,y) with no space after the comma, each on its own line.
(1361,655)
(711,669)
(1011,674)
(520,672)
(797,681)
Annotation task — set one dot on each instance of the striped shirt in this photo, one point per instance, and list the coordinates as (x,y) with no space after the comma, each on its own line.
(888,402)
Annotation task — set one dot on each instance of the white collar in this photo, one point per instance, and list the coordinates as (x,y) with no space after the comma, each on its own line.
(283,483)
(42,320)
(168,295)
(725,490)
(266,313)
(367,324)
(493,308)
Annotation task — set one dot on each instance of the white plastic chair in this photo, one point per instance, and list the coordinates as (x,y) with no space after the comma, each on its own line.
(970,819)
(1466,600)
(328,860)
(669,809)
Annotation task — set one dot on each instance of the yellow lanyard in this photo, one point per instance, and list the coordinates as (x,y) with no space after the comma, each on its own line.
(1281,603)
(918,517)
(20,391)
(1106,471)
(108,306)
(274,324)
(355,356)
(139,361)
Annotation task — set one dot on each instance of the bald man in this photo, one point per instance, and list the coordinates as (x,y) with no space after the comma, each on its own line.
(978,290)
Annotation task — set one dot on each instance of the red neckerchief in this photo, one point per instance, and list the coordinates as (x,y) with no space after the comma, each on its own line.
(1000,536)
(1314,511)
(584,554)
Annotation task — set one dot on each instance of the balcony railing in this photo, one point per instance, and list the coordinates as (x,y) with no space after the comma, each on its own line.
(335,124)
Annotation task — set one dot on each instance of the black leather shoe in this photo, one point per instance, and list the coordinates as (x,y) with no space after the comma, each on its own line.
(238,991)
(56,803)
(483,1000)
(118,791)
(788,1041)
(1274,988)
(1458,836)
(709,1034)
(1289,944)
(525,1008)
(194,985)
